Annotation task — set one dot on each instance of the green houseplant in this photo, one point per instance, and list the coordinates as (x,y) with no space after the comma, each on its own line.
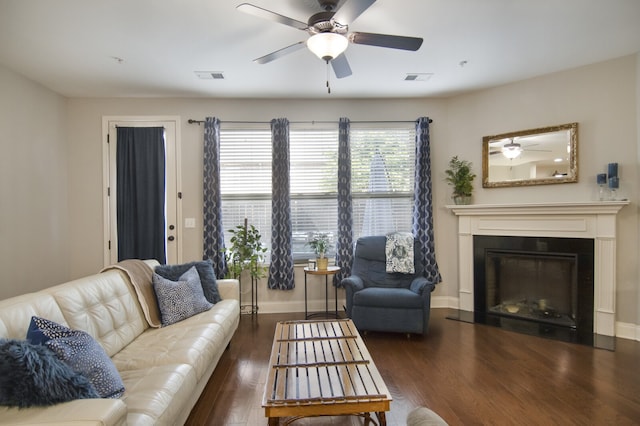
(460,177)
(320,243)
(246,252)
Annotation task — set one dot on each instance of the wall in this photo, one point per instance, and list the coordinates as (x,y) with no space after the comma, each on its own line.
(636,195)
(86,141)
(34,214)
(602,97)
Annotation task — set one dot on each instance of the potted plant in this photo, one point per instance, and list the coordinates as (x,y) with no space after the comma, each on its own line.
(320,243)
(460,177)
(246,252)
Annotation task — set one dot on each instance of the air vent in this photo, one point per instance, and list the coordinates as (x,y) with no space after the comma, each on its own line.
(419,76)
(210,75)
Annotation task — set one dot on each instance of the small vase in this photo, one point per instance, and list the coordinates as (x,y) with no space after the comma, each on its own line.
(323,263)
(462,200)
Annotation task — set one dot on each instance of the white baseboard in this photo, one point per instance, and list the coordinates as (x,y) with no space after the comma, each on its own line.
(445,302)
(623,330)
(268,307)
(628,331)
(298,306)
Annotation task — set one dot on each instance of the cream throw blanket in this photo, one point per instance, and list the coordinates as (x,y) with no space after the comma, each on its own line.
(141,276)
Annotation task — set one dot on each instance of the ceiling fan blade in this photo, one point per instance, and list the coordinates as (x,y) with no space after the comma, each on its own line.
(386,40)
(280,53)
(272,16)
(351,9)
(341,66)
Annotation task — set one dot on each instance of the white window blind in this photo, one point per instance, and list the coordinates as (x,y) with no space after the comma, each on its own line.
(382,180)
(245,179)
(314,186)
(382,176)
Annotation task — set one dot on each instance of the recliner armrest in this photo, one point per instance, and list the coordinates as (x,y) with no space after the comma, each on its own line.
(420,284)
(354,282)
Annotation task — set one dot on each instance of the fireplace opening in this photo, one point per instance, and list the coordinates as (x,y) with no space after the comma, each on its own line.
(534,285)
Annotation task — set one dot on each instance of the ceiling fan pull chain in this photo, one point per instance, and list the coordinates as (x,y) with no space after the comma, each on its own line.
(328,77)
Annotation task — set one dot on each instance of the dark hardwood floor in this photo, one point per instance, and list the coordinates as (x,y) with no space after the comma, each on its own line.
(470,374)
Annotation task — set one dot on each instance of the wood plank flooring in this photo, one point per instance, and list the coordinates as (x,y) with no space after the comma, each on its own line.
(470,374)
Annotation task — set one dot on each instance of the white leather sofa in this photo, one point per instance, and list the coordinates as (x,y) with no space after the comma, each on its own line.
(164,370)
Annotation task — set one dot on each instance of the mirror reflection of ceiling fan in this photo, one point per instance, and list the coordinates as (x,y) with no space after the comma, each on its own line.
(512,149)
(329,33)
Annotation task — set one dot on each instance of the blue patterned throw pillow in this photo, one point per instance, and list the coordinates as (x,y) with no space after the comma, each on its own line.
(32,375)
(205,272)
(179,300)
(399,252)
(81,352)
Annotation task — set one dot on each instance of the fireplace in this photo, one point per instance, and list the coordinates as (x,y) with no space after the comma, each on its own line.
(535,285)
(593,221)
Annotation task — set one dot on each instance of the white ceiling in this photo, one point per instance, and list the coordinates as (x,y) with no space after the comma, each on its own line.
(72,46)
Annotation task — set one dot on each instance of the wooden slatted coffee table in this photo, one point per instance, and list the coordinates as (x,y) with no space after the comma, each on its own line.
(322,368)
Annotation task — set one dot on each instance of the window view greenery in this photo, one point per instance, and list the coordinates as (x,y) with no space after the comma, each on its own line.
(382,159)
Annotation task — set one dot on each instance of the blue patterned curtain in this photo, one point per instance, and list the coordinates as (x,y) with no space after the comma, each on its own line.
(422,205)
(213,232)
(281,267)
(344,244)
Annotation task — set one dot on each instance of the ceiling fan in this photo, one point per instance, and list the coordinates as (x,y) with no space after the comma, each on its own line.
(512,149)
(329,33)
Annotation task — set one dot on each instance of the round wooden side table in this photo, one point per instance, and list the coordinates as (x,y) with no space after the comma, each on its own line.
(330,271)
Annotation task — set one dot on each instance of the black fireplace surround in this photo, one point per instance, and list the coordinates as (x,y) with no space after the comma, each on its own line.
(535,285)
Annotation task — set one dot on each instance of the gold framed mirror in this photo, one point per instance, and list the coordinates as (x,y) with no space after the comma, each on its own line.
(543,156)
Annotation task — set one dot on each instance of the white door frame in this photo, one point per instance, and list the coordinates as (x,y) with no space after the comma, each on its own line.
(174,185)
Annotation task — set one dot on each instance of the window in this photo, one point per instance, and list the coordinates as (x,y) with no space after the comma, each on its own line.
(382,159)
(245,179)
(382,175)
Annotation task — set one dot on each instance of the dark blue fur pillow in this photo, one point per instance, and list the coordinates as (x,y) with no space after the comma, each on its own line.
(32,375)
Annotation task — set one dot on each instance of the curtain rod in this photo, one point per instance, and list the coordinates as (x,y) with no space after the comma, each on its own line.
(198,122)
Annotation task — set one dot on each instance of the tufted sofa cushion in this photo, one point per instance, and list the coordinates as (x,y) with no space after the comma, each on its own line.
(105,306)
(16,313)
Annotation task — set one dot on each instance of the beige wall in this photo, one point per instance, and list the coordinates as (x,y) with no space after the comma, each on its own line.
(85,138)
(34,213)
(636,196)
(603,98)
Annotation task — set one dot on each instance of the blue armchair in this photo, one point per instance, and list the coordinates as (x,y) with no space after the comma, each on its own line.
(381,301)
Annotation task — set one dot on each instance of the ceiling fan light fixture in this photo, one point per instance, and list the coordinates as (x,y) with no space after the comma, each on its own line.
(327,45)
(511,150)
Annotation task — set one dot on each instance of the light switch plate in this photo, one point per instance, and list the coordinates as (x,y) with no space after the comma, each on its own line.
(190,222)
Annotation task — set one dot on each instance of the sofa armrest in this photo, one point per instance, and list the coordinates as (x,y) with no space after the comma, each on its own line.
(352,285)
(80,412)
(228,288)
(421,284)
(353,282)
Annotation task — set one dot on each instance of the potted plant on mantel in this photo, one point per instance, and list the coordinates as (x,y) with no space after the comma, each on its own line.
(320,243)
(460,177)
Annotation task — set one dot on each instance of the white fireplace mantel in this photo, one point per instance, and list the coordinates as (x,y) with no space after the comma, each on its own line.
(593,220)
